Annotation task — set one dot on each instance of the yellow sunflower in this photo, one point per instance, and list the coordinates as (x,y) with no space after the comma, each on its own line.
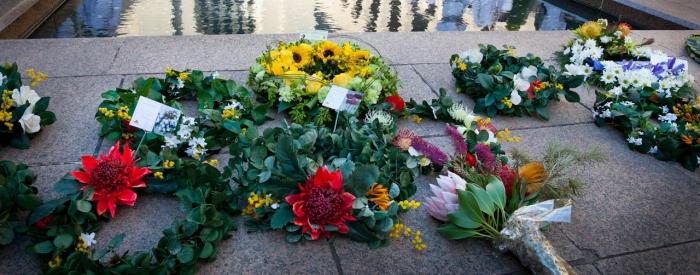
(301,54)
(360,57)
(328,51)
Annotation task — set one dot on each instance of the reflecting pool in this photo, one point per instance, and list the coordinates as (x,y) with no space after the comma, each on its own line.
(108,18)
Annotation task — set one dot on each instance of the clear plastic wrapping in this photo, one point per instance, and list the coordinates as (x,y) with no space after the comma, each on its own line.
(522,236)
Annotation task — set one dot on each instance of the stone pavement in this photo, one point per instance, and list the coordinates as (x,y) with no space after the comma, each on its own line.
(638,215)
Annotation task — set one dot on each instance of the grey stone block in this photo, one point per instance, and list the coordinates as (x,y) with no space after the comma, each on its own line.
(74,100)
(677,259)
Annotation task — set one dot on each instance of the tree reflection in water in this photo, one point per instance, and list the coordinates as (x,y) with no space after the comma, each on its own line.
(97,18)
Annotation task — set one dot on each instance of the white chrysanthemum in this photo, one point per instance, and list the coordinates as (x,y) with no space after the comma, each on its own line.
(384,118)
(653,150)
(608,77)
(617,91)
(605,39)
(171,141)
(574,70)
(657,57)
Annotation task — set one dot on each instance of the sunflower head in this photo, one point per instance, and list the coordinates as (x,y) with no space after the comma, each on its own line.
(360,57)
(590,29)
(534,175)
(301,54)
(328,51)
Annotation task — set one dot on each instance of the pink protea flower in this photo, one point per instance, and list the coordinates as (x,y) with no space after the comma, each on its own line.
(445,200)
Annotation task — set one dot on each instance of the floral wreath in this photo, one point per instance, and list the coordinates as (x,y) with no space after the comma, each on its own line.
(17,195)
(502,83)
(314,182)
(22,111)
(297,77)
(63,230)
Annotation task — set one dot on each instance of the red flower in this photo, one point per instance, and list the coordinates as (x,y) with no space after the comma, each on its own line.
(322,202)
(396,102)
(507,176)
(112,176)
(470,159)
(43,222)
(535,86)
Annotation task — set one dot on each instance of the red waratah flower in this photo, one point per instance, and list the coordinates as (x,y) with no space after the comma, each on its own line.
(396,102)
(112,176)
(322,202)
(507,176)
(470,159)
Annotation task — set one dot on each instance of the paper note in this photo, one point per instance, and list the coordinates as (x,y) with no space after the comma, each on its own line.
(335,98)
(153,116)
(314,35)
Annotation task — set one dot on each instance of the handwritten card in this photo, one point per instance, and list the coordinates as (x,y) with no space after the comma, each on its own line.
(335,98)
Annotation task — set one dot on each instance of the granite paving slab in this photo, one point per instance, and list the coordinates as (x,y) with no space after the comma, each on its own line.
(75,132)
(676,259)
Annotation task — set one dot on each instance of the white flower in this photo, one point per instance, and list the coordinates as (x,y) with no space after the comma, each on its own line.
(472,56)
(413,152)
(572,69)
(88,239)
(618,33)
(664,109)
(527,72)
(180,84)
(460,113)
(657,57)
(30,122)
(171,141)
(627,103)
(424,162)
(521,84)
(198,141)
(605,39)
(215,75)
(698,160)
(653,150)
(606,114)
(617,91)
(668,117)
(23,95)
(384,118)
(2,79)
(608,77)
(674,127)
(635,141)
(515,97)
(275,205)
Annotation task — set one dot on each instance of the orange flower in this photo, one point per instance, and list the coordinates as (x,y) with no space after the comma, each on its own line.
(379,195)
(534,176)
(624,28)
(686,139)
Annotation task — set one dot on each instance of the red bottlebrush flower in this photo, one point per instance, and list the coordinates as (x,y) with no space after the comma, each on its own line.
(507,176)
(470,159)
(322,202)
(112,176)
(43,222)
(396,102)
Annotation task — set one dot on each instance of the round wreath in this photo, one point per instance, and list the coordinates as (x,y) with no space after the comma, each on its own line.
(63,231)
(22,111)
(17,195)
(297,76)
(502,83)
(314,182)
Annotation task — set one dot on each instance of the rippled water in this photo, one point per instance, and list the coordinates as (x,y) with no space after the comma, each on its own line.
(106,18)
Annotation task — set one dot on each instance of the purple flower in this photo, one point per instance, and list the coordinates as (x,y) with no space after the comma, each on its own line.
(432,152)
(485,156)
(458,140)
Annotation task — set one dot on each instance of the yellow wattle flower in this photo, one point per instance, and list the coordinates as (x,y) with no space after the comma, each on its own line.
(534,175)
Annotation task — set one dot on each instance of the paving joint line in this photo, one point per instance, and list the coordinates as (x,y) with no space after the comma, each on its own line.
(139,73)
(424,81)
(336,259)
(114,58)
(39,164)
(647,249)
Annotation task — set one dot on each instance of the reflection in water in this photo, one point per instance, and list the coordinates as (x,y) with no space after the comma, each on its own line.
(90,18)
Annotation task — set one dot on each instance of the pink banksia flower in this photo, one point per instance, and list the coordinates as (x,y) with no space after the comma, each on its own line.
(445,199)
(458,140)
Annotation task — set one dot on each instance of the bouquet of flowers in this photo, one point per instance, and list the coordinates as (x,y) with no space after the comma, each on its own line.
(597,41)
(223,108)
(692,46)
(502,83)
(297,77)
(16,194)
(22,111)
(313,182)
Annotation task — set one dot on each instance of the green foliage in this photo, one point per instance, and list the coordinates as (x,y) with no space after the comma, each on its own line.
(692,46)
(16,195)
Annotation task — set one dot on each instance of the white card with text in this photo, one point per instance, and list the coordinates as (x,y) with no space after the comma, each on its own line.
(153,116)
(336,97)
